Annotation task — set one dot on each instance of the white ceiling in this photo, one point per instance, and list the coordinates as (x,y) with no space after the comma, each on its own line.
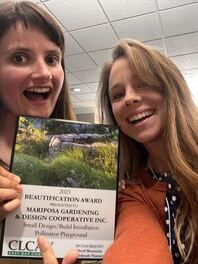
(92,27)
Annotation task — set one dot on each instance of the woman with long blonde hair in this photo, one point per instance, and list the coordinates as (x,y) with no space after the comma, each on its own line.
(145,94)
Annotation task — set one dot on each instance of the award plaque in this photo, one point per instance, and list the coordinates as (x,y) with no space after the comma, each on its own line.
(69,175)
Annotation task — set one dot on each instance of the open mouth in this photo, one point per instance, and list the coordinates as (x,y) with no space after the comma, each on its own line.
(35,94)
(140,117)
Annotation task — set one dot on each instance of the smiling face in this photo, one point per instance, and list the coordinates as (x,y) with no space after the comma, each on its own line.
(31,75)
(136,107)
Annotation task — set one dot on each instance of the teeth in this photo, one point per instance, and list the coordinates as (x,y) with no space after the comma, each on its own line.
(140,116)
(38,90)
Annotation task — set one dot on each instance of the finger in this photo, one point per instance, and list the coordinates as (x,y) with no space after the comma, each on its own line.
(71,257)
(46,251)
(9,207)
(10,184)
(8,194)
(5,173)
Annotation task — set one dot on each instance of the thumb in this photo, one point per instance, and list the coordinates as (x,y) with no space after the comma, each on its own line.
(71,257)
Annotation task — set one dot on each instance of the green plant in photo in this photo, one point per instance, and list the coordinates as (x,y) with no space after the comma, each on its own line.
(104,157)
(29,168)
(87,165)
(32,141)
(73,168)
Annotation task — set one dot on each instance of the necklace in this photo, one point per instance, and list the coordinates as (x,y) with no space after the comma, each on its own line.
(152,170)
(162,174)
(167,206)
(171,205)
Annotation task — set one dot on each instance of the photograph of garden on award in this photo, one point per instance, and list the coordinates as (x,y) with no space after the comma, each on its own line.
(62,153)
(69,175)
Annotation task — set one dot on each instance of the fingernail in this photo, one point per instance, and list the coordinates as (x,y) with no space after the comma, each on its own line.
(41,240)
(17,179)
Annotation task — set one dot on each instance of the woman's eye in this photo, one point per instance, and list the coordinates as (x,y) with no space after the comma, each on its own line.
(52,60)
(19,58)
(117,96)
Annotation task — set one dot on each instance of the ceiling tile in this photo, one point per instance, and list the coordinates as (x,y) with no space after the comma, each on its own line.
(182,44)
(47,10)
(93,86)
(94,38)
(186,62)
(180,20)
(74,14)
(158,44)
(79,62)
(80,108)
(71,79)
(87,97)
(142,28)
(88,76)
(163,4)
(71,46)
(101,56)
(83,89)
(74,99)
(91,104)
(119,9)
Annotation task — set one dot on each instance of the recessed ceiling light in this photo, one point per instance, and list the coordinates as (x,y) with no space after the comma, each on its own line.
(76,90)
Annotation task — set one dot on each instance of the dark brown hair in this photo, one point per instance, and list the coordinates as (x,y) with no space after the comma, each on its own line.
(31,15)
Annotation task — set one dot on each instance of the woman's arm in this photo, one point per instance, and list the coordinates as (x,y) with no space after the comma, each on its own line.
(140,236)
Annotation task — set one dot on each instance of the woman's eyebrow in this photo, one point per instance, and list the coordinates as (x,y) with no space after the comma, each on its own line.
(115,85)
(15,48)
(24,49)
(57,51)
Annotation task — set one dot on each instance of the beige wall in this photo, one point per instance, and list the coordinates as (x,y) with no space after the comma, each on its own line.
(88,117)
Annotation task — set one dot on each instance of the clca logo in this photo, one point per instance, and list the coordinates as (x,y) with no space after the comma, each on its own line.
(24,246)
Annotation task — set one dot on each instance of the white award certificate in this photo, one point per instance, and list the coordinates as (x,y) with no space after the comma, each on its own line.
(69,176)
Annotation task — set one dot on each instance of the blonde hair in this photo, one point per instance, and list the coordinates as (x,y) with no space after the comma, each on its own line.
(180,116)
